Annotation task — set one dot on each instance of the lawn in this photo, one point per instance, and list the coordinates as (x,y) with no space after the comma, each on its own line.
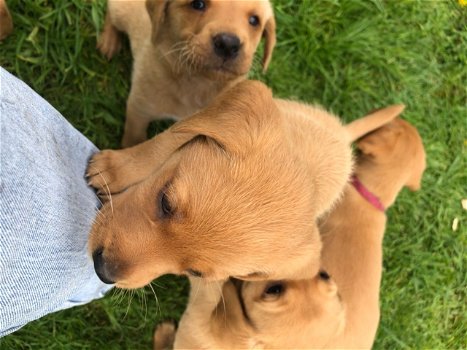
(350,56)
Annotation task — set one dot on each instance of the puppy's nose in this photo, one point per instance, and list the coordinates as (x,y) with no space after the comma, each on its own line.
(99,266)
(226,45)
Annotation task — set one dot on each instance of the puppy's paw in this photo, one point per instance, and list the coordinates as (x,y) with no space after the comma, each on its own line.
(6,23)
(109,42)
(106,172)
(164,335)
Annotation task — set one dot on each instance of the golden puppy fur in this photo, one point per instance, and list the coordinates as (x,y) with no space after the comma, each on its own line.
(220,193)
(178,67)
(310,313)
(6,23)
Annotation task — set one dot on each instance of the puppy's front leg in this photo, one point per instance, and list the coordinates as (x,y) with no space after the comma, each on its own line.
(194,330)
(113,171)
(110,41)
(136,126)
(6,23)
(164,336)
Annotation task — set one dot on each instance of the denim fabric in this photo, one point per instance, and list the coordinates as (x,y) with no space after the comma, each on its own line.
(46,210)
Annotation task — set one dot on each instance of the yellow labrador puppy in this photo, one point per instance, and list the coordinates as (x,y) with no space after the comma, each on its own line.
(311,313)
(221,192)
(256,315)
(185,52)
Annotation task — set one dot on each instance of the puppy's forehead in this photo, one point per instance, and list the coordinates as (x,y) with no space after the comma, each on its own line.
(235,9)
(261,190)
(244,5)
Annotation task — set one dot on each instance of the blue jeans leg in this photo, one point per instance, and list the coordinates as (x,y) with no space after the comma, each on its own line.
(46,210)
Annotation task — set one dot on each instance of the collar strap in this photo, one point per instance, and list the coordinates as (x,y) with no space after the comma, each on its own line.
(367,194)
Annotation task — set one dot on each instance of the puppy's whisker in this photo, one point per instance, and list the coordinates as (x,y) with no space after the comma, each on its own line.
(176,47)
(197,290)
(183,61)
(194,59)
(118,296)
(174,50)
(100,201)
(100,214)
(190,56)
(193,62)
(144,305)
(108,191)
(105,188)
(157,300)
(125,295)
(99,217)
(187,59)
(219,287)
(158,285)
(210,293)
(95,222)
(132,293)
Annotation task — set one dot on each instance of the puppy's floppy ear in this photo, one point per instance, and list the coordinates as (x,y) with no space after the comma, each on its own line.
(380,142)
(157,10)
(368,146)
(235,118)
(374,120)
(269,35)
(414,182)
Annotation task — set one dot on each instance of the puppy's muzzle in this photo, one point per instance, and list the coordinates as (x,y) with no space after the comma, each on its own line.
(226,45)
(101,266)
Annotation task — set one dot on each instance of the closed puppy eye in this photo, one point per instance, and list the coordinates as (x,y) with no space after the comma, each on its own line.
(254,21)
(165,207)
(194,273)
(198,5)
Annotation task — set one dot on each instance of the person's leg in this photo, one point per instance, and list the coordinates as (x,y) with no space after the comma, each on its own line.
(46,210)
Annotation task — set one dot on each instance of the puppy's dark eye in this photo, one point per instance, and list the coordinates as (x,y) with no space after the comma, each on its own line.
(198,5)
(273,291)
(324,275)
(253,20)
(194,273)
(165,208)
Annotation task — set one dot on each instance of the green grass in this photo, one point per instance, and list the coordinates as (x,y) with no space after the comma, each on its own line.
(350,56)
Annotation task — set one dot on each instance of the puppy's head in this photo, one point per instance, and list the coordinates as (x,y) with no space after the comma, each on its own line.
(398,147)
(217,38)
(309,310)
(235,200)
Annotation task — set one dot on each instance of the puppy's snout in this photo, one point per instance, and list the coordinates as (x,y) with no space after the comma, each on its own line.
(226,45)
(100,266)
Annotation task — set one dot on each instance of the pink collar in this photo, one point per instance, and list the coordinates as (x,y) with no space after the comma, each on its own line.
(369,196)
